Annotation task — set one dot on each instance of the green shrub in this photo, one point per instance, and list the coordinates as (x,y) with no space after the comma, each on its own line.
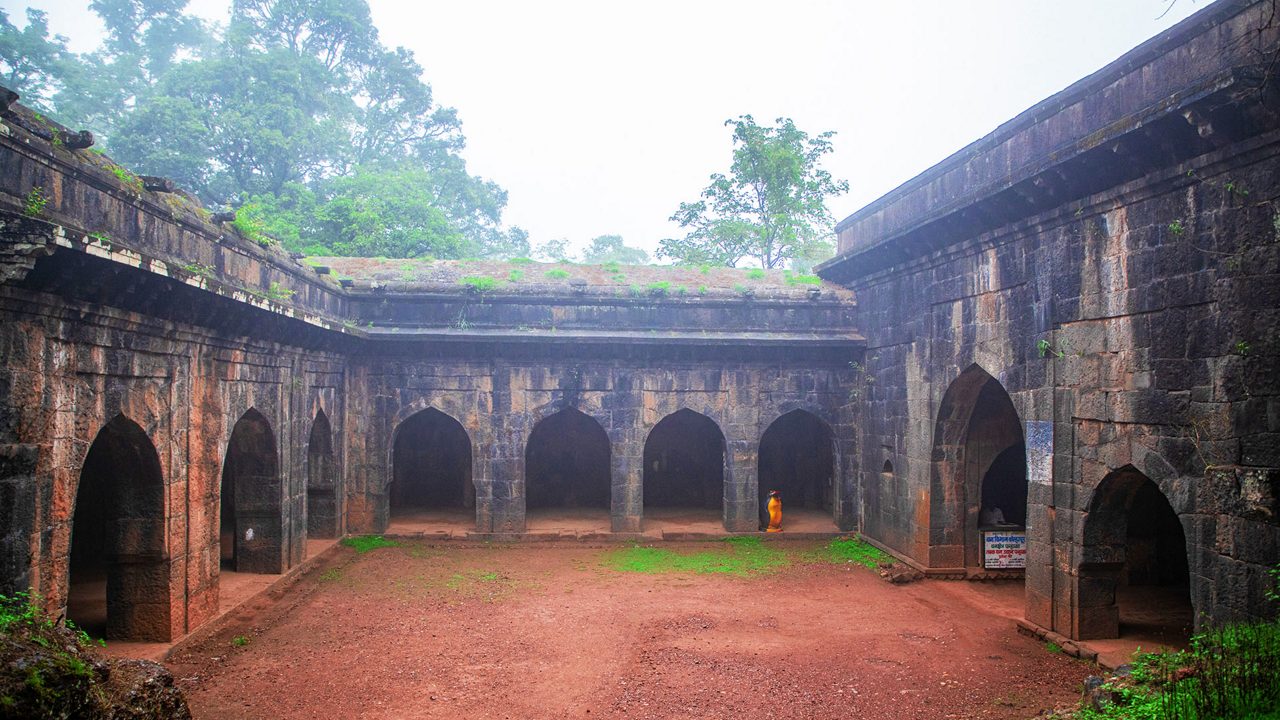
(755,274)
(479,283)
(557,273)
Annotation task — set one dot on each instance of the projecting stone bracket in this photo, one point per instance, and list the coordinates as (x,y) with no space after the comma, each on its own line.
(23,240)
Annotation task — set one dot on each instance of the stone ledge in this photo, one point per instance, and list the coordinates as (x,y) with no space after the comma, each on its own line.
(1069,646)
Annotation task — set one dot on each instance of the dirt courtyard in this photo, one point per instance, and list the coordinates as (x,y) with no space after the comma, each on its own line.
(564,630)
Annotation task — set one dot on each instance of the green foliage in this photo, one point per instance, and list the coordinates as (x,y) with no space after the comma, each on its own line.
(1242,348)
(285,96)
(554,250)
(610,250)
(279,292)
(771,207)
(611,266)
(557,273)
(520,260)
(33,205)
(702,289)
(853,550)
(1176,228)
(1045,348)
(479,283)
(1229,673)
(803,279)
(240,641)
(126,177)
(251,223)
(740,556)
(199,269)
(365,543)
(755,274)
(618,277)
(515,275)
(659,287)
(1053,647)
(101,237)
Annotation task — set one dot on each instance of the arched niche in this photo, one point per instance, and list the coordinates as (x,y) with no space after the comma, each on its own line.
(251,522)
(118,585)
(1134,579)
(430,467)
(567,463)
(323,515)
(684,470)
(797,458)
(979,474)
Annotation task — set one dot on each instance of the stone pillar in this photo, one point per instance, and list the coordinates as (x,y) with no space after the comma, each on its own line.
(741,485)
(626,508)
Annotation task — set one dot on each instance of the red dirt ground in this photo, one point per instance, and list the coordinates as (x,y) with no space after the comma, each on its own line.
(550,631)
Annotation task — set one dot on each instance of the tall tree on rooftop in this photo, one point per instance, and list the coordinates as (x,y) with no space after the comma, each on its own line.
(771,207)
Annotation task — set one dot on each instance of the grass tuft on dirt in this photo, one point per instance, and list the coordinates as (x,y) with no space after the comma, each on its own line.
(739,556)
(852,549)
(365,543)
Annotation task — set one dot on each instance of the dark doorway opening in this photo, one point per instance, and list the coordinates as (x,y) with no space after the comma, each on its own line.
(431,469)
(567,463)
(119,579)
(684,469)
(322,481)
(251,523)
(978,503)
(796,459)
(1135,579)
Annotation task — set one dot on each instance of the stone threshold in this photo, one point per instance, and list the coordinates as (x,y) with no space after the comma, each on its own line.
(603,536)
(1074,648)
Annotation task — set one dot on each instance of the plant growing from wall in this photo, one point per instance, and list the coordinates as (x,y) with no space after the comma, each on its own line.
(479,283)
(33,205)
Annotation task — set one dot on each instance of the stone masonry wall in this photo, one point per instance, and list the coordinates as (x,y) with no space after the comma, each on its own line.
(500,401)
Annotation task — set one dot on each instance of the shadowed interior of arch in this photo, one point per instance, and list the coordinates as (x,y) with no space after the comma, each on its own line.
(567,471)
(1135,578)
(118,584)
(322,501)
(251,535)
(796,458)
(431,483)
(684,471)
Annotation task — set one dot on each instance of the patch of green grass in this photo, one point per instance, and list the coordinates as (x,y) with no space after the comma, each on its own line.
(240,641)
(557,273)
(520,260)
(702,289)
(618,277)
(331,574)
(755,274)
(854,550)
(479,283)
(126,178)
(804,280)
(611,266)
(659,288)
(739,556)
(704,269)
(515,275)
(365,543)
(1053,647)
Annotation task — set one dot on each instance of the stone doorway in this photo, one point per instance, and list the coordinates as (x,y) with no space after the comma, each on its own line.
(118,585)
(684,473)
(322,481)
(979,482)
(250,525)
(567,474)
(797,458)
(431,486)
(1134,580)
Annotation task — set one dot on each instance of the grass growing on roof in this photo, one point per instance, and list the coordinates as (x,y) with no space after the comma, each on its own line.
(365,543)
(739,556)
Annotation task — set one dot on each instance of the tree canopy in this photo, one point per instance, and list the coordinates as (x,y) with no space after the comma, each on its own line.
(770,207)
(611,248)
(295,113)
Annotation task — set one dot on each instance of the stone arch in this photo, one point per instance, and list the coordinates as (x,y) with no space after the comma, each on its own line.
(118,572)
(568,462)
(431,464)
(977,426)
(1134,574)
(684,465)
(251,520)
(323,517)
(798,457)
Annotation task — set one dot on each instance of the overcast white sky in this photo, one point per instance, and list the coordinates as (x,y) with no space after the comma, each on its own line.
(601,117)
